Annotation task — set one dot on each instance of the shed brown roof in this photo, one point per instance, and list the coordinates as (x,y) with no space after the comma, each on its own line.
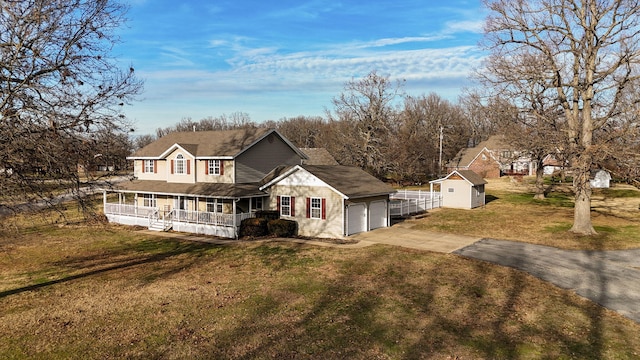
(472,177)
(205,143)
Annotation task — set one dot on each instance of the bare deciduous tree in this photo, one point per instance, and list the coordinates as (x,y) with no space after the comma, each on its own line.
(587,53)
(417,139)
(58,85)
(305,131)
(366,111)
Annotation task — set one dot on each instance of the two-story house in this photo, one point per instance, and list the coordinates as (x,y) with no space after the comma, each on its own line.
(493,158)
(208,182)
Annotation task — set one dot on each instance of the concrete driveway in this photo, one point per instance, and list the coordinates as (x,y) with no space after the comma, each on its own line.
(609,278)
(401,234)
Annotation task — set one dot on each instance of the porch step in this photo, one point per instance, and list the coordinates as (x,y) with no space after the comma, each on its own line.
(158,226)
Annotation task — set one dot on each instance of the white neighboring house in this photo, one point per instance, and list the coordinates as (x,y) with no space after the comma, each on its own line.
(601,179)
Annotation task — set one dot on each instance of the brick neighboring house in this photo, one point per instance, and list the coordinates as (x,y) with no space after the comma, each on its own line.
(208,182)
(491,159)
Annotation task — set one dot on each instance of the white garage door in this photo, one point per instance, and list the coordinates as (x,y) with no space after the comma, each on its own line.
(378,211)
(356,218)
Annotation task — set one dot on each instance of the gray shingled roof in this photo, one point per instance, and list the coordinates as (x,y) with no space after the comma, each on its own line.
(205,143)
(318,156)
(220,190)
(350,181)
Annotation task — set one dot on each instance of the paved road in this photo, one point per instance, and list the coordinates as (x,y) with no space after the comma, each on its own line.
(69,195)
(609,278)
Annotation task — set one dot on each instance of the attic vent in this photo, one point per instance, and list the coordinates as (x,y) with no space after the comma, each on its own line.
(270,138)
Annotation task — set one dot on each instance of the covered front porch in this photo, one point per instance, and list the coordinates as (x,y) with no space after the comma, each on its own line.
(204,213)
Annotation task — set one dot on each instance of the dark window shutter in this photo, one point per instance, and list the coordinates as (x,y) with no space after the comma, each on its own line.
(278,204)
(171,166)
(143,169)
(308,208)
(324,209)
(206,167)
(293,206)
(221,167)
(188,167)
(155,166)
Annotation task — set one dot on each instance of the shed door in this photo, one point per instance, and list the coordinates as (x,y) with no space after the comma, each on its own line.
(378,211)
(356,219)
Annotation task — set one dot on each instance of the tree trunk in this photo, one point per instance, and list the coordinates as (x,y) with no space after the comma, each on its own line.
(539,179)
(582,208)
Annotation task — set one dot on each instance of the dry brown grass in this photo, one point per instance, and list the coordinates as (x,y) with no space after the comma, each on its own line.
(108,292)
(512,214)
(75,290)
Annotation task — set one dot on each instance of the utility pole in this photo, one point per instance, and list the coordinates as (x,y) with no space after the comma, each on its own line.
(440,161)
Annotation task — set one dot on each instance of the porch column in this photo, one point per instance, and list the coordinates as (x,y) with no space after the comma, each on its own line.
(235,228)
(135,203)
(197,209)
(104,201)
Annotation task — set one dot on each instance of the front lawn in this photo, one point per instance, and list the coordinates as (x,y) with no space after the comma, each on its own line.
(511,213)
(100,291)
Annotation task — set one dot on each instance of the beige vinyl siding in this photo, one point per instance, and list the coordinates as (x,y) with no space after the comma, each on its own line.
(331,227)
(195,203)
(159,174)
(181,178)
(260,159)
(226,177)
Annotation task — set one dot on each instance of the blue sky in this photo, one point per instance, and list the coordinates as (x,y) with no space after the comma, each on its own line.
(277,59)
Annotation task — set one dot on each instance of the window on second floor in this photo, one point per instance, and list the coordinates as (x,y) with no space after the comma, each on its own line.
(149,166)
(214,167)
(179,165)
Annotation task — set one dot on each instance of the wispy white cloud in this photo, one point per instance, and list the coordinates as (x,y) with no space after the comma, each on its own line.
(306,10)
(316,71)
(228,65)
(473,26)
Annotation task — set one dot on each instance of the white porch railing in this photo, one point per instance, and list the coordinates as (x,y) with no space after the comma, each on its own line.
(186,216)
(129,210)
(410,202)
(209,218)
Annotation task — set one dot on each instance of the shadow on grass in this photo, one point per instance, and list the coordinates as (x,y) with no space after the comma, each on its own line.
(489,198)
(162,249)
(350,318)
